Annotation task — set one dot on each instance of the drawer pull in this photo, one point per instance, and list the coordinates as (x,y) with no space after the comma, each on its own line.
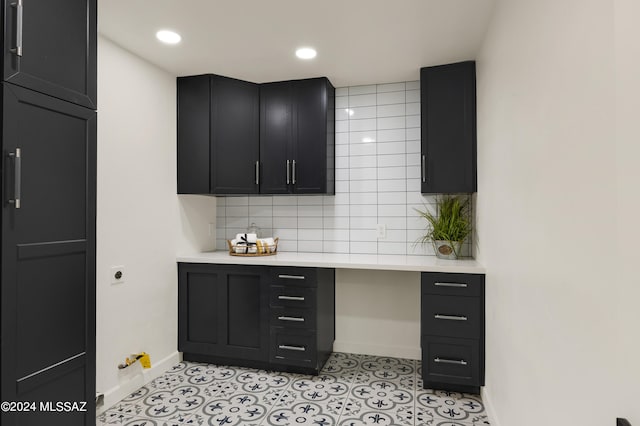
(291,277)
(296,298)
(450,317)
(294,319)
(458,285)
(450,361)
(292,348)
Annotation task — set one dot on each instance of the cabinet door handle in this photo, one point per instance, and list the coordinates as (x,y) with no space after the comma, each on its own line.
(288,173)
(257,172)
(296,298)
(293,172)
(292,319)
(17,177)
(450,317)
(18,49)
(291,277)
(292,348)
(450,361)
(424,169)
(458,285)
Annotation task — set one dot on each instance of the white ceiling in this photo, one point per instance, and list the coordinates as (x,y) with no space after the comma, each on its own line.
(358,41)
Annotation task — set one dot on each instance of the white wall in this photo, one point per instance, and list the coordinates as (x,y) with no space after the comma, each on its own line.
(552,193)
(140,219)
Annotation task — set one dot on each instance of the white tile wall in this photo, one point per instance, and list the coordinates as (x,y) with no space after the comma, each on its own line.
(377,182)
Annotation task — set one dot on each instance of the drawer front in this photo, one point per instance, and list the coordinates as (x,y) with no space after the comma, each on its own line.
(302,277)
(293,318)
(452,284)
(289,296)
(452,361)
(451,316)
(296,348)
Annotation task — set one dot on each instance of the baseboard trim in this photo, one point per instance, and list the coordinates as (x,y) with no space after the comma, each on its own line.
(408,352)
(488,407)
(136,378)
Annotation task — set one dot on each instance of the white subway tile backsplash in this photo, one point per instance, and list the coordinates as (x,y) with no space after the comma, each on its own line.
(342,126)
(357,113)
(393,110)
(362,100)
(357,162)
(391,123)
(362,125)
(362,90)
(377,181)
(393,135)
(391,98)
(391,87)
(413,96)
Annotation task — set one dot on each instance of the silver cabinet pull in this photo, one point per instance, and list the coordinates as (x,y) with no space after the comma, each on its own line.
(18,49)
(291,277)
(424,169)
(17,177)
(293,172)
(293,319)
(296,298)
(450,361)
(450,317)
(458,285)
(292,348)
(257,172)
(288,173)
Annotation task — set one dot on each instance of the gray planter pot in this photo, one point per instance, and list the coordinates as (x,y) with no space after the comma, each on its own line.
(444,249)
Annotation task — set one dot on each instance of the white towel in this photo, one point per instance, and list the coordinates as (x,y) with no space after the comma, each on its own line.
(251,238)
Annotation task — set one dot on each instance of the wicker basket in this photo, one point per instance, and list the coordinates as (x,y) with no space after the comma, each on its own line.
(233,253)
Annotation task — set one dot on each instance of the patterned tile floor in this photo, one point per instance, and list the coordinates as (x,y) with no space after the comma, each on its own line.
(352,390)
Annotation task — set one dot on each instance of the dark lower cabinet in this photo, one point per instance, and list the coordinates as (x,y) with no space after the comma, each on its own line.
(48,256)
(452,331)
(223,312)
(256,316)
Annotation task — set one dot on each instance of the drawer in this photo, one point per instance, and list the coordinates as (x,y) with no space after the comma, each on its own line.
(451,361)
(293,318)
(296,348)
(304,277)
(452,284)
(451,316)
(291,296)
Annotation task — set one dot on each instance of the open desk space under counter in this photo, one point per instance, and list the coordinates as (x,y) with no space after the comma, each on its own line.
(279,312)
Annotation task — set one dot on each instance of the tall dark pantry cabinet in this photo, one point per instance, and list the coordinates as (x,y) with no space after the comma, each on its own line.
(48,174)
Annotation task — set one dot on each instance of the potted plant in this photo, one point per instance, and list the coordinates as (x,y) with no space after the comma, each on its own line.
(449,227)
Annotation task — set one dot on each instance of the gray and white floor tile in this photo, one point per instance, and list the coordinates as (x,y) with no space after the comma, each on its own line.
(351,390)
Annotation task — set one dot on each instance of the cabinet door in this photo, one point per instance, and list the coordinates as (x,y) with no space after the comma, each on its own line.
(311,136)
(223,311)
(50,47)
(448,125)
(276,137)
(234,136)
(193,134)
(48,256)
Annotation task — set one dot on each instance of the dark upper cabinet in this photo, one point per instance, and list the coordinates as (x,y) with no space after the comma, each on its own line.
(218,145)
(297,137)
(50,47)
(448,124)
(223,311)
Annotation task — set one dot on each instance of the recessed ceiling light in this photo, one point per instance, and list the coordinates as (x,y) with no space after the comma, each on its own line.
(306,53)
(168,37)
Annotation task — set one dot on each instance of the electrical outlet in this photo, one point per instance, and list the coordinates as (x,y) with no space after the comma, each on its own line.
(381,231)
(117,274)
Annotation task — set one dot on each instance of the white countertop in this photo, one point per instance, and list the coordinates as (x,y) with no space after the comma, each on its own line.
(341,261)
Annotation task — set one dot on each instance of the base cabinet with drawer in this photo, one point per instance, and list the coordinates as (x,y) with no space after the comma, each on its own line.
(452,331)
(277,318)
